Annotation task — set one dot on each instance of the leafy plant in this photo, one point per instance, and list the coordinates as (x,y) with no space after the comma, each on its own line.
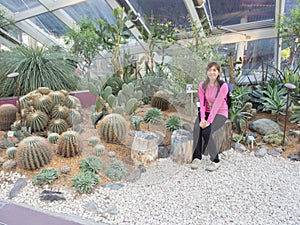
(295,116)
(153,116)
(173,123)
(38,67)
(91,163)
(46,176)
(116,171)
(85,181)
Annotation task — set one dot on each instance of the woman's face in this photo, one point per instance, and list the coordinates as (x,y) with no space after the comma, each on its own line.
(213,73)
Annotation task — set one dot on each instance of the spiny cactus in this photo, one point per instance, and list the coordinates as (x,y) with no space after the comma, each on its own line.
(153,116)
(60,111)
(44,103)
(93,141)
(58,126)
(131,106)
(44,90)
(33,152)
(113,128)
(74,117)
(25,101)
(72,101)
(37,120)
(58,97)
(11,152)
(7,116)
(53,138)
(99,150)
(160,101)
(173,123)
(69,144)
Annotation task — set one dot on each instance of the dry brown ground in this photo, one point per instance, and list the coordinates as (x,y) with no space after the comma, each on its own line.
(123,150)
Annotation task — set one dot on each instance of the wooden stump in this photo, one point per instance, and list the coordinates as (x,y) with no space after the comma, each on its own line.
(223,137)
(181,146)
(144,149)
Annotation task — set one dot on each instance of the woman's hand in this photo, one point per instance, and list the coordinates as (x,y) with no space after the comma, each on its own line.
(203,123)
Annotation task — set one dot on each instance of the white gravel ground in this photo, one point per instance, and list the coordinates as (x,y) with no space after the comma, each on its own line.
(244,190)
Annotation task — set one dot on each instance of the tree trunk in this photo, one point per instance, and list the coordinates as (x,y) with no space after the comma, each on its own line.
(223,137)
(181,146)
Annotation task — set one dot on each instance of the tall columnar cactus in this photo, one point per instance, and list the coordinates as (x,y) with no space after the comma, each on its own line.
(37,120)
(7,116)
(160,100)
(33,152)
(58,126)
(113,128)
(69,144)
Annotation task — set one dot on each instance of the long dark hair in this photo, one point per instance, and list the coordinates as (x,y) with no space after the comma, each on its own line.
(210,65)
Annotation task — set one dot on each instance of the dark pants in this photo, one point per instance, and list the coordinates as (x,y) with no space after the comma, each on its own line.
(209,145)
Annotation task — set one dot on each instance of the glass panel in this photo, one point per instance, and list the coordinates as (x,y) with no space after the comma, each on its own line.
(50,24)
(19,5)
(14,31)
(229,12)
(96,9)
(163,10)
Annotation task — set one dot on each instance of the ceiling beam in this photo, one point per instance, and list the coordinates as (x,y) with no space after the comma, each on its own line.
(189,4)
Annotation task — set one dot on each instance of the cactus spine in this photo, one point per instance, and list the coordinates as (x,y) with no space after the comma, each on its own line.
(33,152)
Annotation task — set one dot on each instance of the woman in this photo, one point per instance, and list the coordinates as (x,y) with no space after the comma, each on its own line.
(213,114)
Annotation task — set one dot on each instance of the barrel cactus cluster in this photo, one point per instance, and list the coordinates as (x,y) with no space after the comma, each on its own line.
(7,116)
(46,111)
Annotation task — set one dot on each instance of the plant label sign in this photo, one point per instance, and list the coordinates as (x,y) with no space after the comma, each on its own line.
(189,88)
(10,133)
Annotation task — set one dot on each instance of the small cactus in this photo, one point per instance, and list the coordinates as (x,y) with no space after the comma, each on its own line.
(53,138)
(113,128)
(33,152)
(69,144)
(160,101)
(74,117)
(58,97)
(99,150)
(58,126)
(7,116)
(153,116)
(136,120)
(173,123)
(11,152)
(93,141)
(116,171)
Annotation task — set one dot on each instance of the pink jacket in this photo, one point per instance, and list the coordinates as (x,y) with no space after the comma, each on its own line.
(213,105)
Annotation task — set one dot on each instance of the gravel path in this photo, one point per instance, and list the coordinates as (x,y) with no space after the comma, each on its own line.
(245,190)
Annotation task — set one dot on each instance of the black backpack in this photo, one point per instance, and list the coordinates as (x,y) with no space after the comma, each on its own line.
(229,94)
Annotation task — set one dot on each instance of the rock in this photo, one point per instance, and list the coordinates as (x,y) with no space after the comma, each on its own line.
(51,196)
(274,153)
(239,147)
(8,165)
(17,188)
(261,152)
(113,186)
(91,205)
(163,152)
(112,209)
(134,176)
(65,169)
(187,127)
(264,126)
(111,154)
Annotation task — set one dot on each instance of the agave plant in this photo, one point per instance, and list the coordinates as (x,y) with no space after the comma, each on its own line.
(38,67)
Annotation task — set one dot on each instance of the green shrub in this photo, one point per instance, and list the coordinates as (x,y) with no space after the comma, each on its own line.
(116,171)
(91,163)
(85,181)
(46,176)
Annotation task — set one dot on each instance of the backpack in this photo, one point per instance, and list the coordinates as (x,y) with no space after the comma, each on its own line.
(228,96)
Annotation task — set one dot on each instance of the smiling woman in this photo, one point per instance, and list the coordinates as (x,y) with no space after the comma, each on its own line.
(38,67)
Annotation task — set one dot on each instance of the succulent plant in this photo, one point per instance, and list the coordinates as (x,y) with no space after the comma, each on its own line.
(99,149)
(91,163)
(160,101)
(58,97)
(85,181)
(33,152)
(153,116)
(93,141)
(25,101)
(116,171)
(46,176)
(37,120)
(60,111)
(53,138)
(58,126)
(136,120)
(131,106)
(69,144)
(11,152)
(173,123)
(72,101)
(43,103)
(74,117)
(113,128)
(44,90)
(7,116)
